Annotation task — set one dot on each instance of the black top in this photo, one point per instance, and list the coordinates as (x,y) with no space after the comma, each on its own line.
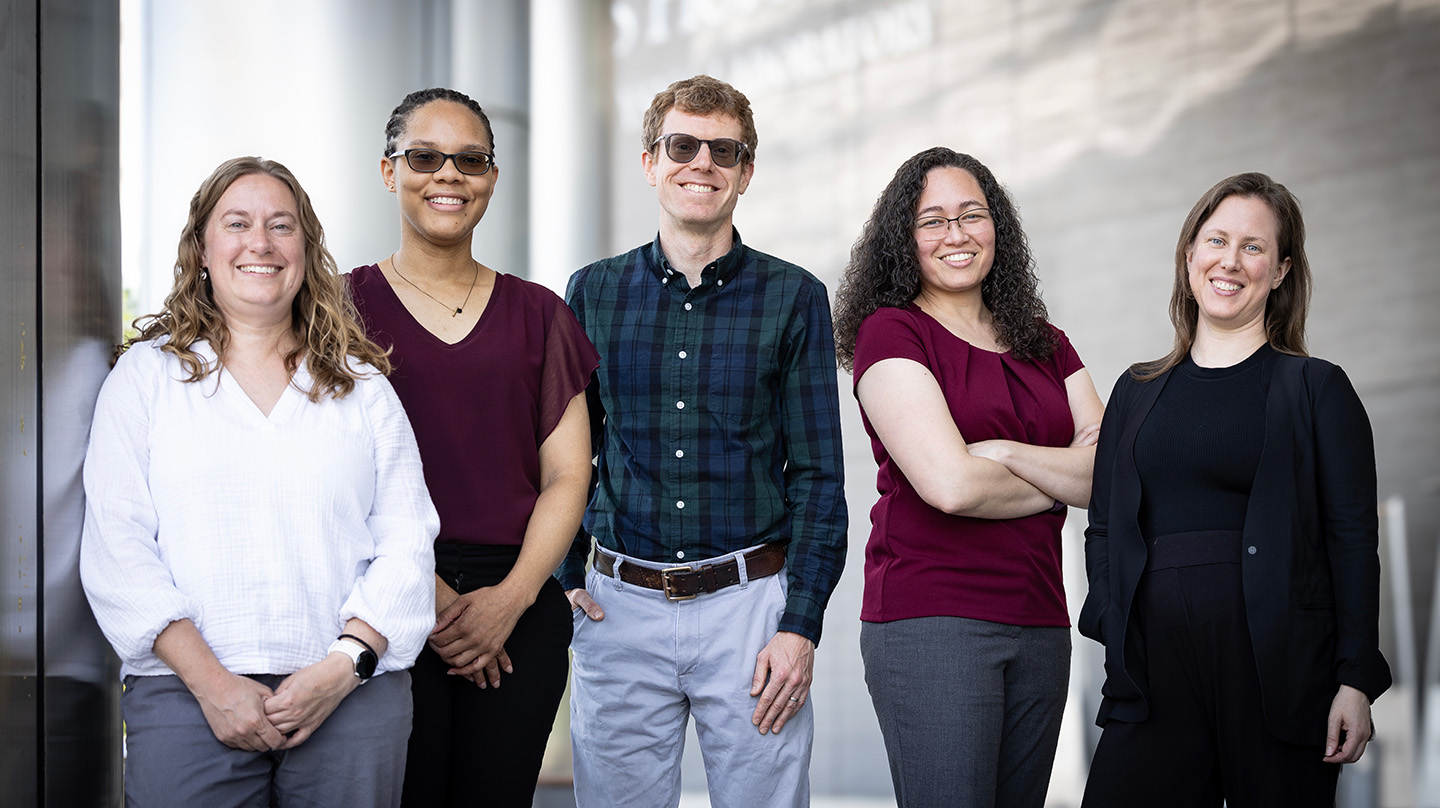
(1309,566)
(1198,450)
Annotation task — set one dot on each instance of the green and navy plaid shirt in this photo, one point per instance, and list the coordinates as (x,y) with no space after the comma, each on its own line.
(715,419)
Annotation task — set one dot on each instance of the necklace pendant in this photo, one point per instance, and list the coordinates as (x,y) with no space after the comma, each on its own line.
(457,311)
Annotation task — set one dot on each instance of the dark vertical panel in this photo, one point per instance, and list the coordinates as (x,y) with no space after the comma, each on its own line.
(19,411)
(79,294)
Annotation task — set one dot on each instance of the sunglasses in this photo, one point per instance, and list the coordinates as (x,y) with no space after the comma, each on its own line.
(724,152)
(428,161)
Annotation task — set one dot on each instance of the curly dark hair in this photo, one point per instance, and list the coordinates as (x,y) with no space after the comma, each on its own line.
(883,270)
(400,116)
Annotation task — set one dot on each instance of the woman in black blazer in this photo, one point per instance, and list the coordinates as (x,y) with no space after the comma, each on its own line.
(1232,548)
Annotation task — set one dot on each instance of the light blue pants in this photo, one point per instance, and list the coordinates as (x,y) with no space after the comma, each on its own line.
(639,674)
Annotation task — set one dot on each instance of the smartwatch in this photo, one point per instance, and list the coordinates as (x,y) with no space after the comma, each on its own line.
(360,654)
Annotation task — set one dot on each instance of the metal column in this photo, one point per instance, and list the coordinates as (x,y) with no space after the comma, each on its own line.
(59,308)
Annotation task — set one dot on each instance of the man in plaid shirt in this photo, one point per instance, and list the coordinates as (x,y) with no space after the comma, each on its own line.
(719,512)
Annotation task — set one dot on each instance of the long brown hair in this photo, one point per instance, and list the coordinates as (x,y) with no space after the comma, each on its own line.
(322,316)
(1288,304)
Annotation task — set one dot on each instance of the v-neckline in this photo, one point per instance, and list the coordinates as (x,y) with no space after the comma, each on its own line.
(430,335)
(285,405)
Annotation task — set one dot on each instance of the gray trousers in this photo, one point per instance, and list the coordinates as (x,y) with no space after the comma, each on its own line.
(970,710)
(355,759)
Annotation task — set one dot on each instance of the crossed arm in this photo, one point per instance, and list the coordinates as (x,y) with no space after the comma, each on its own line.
(993,479)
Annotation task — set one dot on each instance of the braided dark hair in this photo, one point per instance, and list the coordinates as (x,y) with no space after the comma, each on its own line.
(400,117)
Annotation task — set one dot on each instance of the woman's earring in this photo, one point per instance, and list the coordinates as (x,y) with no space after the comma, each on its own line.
(204,275)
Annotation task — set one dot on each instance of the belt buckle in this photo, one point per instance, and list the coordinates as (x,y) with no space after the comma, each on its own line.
(665,583)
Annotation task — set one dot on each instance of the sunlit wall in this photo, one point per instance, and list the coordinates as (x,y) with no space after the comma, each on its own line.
(1107,119)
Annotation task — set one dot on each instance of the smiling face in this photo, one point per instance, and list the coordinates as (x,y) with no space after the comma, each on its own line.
(1234,263)
(697,195)
(960,258)
(254,250)
(443,207)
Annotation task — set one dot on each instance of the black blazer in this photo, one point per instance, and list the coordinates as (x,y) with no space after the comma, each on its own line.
(1310,566)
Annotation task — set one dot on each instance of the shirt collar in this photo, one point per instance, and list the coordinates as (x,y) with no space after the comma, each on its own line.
(724,268)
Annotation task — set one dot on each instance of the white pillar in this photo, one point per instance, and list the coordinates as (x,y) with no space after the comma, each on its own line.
(490,62)
(569,178)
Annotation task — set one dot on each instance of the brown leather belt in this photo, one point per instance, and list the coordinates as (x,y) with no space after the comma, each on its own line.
(689,580)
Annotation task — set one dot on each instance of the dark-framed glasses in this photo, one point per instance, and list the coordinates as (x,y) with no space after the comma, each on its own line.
(428,161)
(933,228)
(682,148)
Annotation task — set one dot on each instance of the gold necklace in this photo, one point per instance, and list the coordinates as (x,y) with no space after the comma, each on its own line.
(395,264)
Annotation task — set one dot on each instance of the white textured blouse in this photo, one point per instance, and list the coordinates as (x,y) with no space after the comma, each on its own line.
(269,533)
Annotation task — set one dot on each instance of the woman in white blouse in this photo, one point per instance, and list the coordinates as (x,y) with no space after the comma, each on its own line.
(258,535)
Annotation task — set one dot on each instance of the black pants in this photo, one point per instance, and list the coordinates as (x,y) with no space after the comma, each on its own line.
(1205,739)
(473,747)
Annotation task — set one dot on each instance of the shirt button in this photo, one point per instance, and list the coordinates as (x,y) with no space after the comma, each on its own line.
(1252,549)
(683,354)
(719,282)
(680,504)
(679,405)
(665,280)
(679,553)
(688,307)
(679,452)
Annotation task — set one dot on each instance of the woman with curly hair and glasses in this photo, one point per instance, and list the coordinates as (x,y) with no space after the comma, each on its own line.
(257,540)
(983,422)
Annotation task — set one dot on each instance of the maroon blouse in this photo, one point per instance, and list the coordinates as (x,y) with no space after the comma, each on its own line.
(923,562)
(482,407)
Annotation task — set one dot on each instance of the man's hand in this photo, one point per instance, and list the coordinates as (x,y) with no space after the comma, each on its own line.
(308,696)
(234,707)
(1350,713)
(580,599)
(470,633)
(788,662)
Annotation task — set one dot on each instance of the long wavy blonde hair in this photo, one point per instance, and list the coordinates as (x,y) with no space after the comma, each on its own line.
(322,316)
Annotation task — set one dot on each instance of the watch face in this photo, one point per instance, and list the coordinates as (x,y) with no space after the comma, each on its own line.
(365,665)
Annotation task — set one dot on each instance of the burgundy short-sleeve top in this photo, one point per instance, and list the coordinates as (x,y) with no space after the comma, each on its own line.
(923,562)
(481,408)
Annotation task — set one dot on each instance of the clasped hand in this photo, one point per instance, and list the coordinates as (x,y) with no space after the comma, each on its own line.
(470,634)
(245,714)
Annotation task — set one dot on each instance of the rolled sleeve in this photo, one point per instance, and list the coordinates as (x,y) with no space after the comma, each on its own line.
(129,587)
(396,593)
(1347,482)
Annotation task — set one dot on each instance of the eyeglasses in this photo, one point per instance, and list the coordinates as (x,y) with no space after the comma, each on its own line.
(428,161)
(724,152)
(933,228)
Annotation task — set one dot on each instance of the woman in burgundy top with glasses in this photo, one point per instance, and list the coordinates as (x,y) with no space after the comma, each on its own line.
(983,421)
(492,371)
